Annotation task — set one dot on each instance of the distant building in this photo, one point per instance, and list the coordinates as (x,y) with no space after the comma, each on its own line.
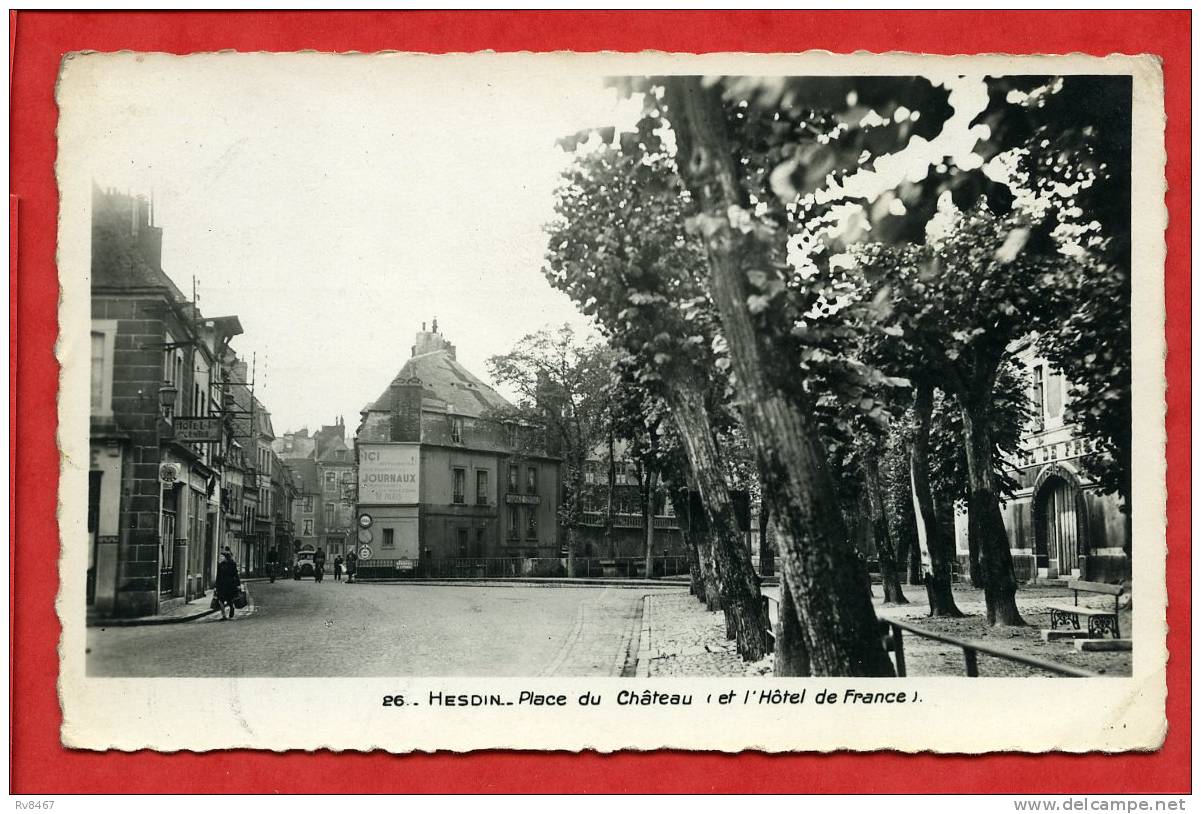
(1059,526)
(629,528)
(445,472)
(323,512)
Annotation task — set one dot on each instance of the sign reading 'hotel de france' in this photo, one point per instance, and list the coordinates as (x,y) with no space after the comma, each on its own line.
(389,474)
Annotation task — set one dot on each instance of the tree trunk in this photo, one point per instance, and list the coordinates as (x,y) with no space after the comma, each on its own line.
(937,548)
(609,540)
(889,573)
(826,580)
(915,558)
(984,516)
(791,658)
(736,578)
(649,515)
(767,558)
(678,495)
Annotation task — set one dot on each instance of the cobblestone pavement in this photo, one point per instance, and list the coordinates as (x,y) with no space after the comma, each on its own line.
(685,639)
(681,638)
(335,629)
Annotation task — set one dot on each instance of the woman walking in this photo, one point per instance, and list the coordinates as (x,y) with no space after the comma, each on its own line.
(228,583)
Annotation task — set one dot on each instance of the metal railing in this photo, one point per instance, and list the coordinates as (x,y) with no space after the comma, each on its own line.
(626,520)
(502,567)
(892,631)
(895,642)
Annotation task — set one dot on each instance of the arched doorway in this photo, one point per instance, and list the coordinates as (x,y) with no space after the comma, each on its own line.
(1059,537)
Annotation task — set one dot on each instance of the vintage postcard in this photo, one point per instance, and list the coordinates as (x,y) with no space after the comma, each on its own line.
(561,402)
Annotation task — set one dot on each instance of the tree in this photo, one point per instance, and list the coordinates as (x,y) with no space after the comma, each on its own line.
(618,249)
(561,381)
(826,580)
(961,302)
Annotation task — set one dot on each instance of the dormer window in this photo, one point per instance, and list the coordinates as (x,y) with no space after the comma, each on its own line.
(456,430)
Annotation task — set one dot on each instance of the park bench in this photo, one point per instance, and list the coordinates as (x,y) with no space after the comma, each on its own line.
(1100,620)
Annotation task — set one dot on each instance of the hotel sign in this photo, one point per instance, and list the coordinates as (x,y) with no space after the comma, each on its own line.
(197,430)
(389,474)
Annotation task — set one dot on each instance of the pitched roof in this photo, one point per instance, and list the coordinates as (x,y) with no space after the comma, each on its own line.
(447,383)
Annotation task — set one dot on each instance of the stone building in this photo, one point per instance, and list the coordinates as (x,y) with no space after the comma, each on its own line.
(160,441)
(446,472)
(1059,525)
(628,539)
(323,511)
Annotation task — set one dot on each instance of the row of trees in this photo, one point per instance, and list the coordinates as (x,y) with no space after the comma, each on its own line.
(848,353)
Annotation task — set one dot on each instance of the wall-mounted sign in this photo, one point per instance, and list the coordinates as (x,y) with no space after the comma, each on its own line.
(365,553)
(389,474)
(365,536)
(195,430)
(168,473)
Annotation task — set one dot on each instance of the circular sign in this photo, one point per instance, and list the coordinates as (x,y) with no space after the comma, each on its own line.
(365,552)
(365,536)
(365,520)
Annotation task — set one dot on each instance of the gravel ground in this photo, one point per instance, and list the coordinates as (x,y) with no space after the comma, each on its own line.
(686,640)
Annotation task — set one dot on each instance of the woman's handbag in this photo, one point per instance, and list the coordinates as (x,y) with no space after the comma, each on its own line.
(242,599)
(215,603)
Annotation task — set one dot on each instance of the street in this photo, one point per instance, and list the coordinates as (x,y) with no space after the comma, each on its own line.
(336,629)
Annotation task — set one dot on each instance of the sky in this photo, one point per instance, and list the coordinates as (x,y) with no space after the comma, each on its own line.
(335,203)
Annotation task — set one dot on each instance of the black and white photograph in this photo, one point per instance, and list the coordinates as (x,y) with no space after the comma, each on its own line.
(676,374)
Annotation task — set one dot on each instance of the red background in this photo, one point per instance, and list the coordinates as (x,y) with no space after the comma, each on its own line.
(40,764)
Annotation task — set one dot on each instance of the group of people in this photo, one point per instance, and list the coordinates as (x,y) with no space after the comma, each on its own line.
(347,566)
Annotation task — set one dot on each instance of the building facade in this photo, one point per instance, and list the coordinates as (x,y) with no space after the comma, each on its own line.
(325,480)
(444,472)
(161,443)
(1059,525)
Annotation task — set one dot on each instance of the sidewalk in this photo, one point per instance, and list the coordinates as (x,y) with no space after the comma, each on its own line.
(198,608)
(187,612)
(681,638)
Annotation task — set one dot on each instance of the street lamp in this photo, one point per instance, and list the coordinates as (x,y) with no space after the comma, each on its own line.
(166,397)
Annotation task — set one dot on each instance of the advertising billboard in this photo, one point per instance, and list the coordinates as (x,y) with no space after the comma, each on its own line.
(389,474)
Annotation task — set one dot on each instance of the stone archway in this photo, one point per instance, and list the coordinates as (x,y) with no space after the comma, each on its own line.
(1060,522)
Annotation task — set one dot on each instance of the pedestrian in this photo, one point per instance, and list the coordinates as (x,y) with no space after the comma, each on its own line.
(352,562)
(338,568)
(319,564)
(272,563)
(228,584)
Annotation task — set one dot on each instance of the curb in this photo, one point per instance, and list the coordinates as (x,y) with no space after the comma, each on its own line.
(485,582)
(150,620)
(642,661)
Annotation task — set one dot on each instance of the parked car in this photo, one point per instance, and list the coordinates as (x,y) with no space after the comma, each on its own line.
(304,566)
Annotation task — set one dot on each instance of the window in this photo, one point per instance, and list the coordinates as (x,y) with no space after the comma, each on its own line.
(1054,395)
(462,535)
(308,504)
(329,514)
(456,430)
(481,487)
(1036,395)
(514,522)
(97,371)
(331,478)
(389,539)
(531,481)
(478,551)
(513,478)
(308,529)
(460,485)
(531,524)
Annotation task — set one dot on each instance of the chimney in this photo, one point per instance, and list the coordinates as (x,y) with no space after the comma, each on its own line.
(406,411)
(432,341)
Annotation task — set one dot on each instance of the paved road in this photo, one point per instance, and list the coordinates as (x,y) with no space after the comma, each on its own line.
(335,629)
